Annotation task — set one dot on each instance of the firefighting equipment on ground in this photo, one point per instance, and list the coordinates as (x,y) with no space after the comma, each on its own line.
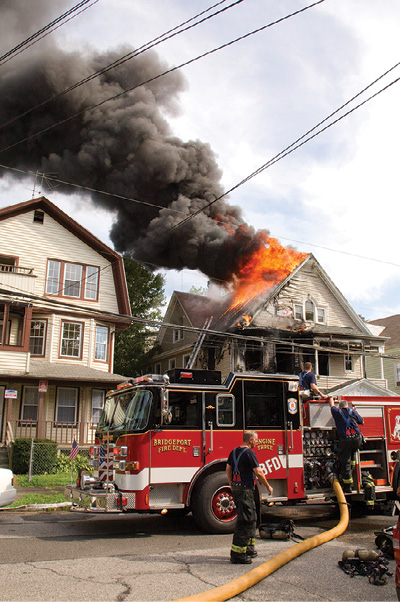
(241,584)
(367,563)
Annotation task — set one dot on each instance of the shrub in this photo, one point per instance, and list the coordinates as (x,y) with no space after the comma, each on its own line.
(44,455)
(63,463)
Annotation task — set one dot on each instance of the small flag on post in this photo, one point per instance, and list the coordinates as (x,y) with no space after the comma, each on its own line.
(74,450)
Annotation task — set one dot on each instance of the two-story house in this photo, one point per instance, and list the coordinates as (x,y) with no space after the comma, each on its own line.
(63,296)
(303,318)
(389,363)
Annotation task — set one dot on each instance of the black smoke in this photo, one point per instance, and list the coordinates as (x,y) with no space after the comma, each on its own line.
(124,146)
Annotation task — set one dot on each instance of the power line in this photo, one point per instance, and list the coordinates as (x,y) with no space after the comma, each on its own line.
(46,30)
(192,329)
(154,78)
(292,147)
(120,61)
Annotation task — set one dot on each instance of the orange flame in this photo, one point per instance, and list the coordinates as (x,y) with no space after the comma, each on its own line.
(268,266)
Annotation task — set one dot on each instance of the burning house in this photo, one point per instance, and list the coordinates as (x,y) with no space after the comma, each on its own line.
(282,319)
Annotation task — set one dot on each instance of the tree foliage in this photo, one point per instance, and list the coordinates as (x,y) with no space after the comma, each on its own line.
(135,346)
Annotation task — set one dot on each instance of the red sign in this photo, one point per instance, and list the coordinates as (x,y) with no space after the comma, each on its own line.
(42,386)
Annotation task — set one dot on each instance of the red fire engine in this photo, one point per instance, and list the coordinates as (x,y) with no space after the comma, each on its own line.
(163,441)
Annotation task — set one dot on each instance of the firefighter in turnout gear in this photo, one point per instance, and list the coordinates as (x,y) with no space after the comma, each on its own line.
(350,440)
(242,471)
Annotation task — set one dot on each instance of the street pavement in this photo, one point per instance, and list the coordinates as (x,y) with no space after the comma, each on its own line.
(164,573)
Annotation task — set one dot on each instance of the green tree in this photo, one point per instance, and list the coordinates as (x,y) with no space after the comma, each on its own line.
(135,345)
(198,290)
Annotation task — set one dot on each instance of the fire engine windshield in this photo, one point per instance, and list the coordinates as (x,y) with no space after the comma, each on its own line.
(131,410)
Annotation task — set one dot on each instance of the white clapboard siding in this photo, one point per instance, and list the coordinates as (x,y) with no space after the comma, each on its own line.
(33,243)
(15,359)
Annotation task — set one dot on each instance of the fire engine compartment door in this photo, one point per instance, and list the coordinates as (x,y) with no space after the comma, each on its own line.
(176,450)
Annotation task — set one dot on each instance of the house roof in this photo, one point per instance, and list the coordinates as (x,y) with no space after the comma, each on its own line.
(391,329)
(198,308)
(39,369)
(87,237)
(361,387)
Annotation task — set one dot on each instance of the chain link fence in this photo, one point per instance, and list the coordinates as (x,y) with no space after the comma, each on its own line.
(39,457)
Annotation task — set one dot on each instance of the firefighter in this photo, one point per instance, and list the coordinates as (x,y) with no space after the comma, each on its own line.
(350,440)
(242,471)
(308,384)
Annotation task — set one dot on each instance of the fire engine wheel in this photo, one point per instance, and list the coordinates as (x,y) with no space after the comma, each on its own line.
(213,507)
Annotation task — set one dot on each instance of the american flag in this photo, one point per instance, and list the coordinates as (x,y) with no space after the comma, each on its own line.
(74,450)
(105,466)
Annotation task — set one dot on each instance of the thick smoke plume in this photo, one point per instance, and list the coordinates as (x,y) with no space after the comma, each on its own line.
(124,147)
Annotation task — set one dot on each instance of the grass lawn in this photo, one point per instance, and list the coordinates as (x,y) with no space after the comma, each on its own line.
(39,498)
(47,482)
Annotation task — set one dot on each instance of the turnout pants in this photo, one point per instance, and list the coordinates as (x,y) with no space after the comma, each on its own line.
(245,532)
(347,459)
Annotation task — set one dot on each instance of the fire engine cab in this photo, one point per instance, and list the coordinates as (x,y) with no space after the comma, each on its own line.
(162,443)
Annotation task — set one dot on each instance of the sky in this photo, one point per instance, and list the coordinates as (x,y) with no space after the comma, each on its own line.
(336,196)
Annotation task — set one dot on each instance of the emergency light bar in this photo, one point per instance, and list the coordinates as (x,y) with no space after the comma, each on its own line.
(147,378)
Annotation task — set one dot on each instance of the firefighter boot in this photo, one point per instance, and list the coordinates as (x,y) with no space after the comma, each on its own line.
(237,558)
(251,552)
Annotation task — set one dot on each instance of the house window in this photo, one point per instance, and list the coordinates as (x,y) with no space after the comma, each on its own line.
(67,404)
(72,280)
(37,337)
(185,360)
(53,277)
(298,312)
(309,310)
(348,363)
(157,368)
(98,397)
(30,401)
(91,282)
(178,334)
(71,339)
(321,315)
(172,364)
(397,373)
(101,348)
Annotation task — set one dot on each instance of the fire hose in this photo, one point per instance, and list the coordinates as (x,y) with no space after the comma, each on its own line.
(241,584)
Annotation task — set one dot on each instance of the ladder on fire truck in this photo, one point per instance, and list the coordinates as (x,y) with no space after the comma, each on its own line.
(195,351)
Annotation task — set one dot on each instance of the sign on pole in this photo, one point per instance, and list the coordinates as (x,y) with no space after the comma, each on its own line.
(42,386)
(10,394)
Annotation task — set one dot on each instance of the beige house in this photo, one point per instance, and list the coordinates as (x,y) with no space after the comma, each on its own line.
(304,318)
(389,365)
(63,296)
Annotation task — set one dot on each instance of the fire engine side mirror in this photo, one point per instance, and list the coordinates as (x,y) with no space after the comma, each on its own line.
(166,416)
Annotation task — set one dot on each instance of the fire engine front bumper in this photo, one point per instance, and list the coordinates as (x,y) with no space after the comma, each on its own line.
(100,500)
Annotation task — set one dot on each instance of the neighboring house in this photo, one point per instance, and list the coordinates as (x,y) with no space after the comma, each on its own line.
(63,295)
(303,318)
(388,366)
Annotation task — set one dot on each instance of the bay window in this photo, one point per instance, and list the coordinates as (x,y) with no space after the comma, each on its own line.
(71,339)
(101,347)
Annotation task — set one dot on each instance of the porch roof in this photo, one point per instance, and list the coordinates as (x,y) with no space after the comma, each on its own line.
(39,369)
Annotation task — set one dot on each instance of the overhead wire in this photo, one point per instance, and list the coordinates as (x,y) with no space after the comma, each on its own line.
(158,76)
(192,329)
(130,55)
(292,147)
(46,30)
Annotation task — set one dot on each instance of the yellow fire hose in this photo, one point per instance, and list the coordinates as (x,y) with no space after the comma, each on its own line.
(235,587)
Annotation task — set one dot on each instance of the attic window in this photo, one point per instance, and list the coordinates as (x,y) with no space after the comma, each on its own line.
(38,216)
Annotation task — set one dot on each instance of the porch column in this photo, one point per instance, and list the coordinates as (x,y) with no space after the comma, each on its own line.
(39,427)
(82,438)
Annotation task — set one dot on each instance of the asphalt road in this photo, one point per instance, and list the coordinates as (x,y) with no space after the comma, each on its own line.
(62,556)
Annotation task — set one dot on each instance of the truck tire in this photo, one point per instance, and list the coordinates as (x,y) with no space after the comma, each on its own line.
(213,507)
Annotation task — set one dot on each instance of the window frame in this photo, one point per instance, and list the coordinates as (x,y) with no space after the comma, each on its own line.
(24,404)
(57,406)
(106,345)
(82,327)
(233,410)
(44,337)
(177,335)
(171,361)
(93,408)
(83,282)
(348,357)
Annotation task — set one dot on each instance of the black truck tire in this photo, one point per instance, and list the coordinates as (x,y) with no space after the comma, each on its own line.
(212,504)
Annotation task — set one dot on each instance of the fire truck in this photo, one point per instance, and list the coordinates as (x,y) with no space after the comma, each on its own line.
(163,441)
